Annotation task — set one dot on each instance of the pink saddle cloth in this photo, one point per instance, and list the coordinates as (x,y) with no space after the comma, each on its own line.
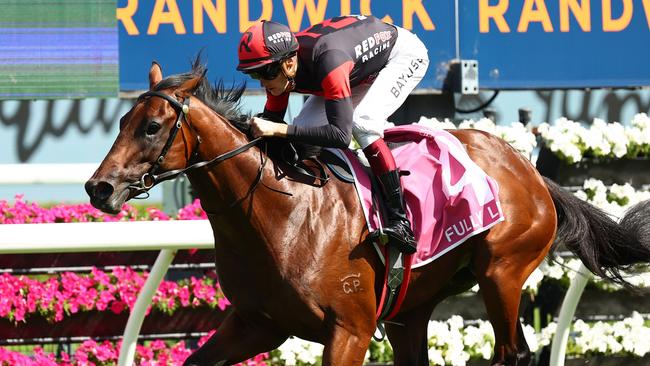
(448,197)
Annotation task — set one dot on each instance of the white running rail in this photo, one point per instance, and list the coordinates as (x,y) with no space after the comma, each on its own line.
(46,173)
(168,236)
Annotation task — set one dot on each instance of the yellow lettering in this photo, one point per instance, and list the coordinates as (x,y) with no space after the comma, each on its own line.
(646,8)
(125,15)
(616,25)
(529,14)
(415,7)
(316,13)
(581,12)
(160,16)
(364,6)
(216,12)
(345,7)
(494,12)
(244,17)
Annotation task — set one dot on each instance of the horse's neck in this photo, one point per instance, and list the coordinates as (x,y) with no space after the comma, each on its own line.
(224,188)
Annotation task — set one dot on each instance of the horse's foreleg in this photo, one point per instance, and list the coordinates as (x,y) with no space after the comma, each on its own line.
(346,347)
(236,340)
(408,336)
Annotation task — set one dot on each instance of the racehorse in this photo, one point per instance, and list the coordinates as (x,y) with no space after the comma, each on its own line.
(284,248)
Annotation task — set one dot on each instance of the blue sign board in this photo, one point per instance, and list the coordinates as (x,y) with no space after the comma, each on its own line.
(526,44)
(533,44)
(172,32)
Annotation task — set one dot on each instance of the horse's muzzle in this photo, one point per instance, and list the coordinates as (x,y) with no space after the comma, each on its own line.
(100,193)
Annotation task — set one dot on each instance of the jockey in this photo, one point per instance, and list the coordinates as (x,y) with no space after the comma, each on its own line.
(358,70)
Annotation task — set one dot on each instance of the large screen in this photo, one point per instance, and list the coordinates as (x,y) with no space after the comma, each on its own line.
(58,49)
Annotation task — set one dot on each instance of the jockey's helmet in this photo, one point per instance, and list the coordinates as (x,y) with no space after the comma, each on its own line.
(263,43)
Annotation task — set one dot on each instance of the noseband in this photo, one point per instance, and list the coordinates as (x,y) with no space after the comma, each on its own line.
(150,179)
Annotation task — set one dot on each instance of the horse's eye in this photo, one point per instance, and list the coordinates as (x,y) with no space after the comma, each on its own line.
(153,128)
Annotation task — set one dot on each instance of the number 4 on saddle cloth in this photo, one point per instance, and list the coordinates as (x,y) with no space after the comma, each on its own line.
(448,199)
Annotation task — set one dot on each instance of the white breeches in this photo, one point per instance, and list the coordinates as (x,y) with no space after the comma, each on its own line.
(374,102)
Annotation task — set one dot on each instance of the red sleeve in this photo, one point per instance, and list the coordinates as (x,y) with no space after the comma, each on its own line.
(336,84)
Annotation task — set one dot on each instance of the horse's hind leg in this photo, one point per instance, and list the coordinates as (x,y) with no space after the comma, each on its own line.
(236,340)
(502,304)
(501,272)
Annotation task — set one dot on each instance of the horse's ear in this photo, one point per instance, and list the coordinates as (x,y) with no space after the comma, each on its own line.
(189,86)
(155,74)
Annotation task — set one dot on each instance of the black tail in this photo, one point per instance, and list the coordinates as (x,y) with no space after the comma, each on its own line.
(604,246)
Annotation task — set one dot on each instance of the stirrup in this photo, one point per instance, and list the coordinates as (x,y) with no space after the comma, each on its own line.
(402,240)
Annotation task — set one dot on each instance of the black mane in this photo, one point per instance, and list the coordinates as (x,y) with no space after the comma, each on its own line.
(224,101)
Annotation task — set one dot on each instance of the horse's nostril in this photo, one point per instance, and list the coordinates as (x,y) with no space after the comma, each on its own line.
(103,190)
(99,190)
(89,187)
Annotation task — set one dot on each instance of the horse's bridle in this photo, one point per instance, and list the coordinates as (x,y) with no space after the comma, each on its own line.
(150,179)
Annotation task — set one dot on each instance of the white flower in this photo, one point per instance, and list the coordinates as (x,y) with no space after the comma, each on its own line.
(595,186)
(552,270)
(435,356)
(616,136)
(622,191)
(636,135)
(533,280)
(467,123)
(518,136)
(581,195)
(641,120)
(436,124)
(547,334)
(296,350)
(455,322)
(531,339)
(487,125)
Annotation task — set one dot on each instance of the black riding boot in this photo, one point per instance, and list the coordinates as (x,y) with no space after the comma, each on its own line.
(398,227)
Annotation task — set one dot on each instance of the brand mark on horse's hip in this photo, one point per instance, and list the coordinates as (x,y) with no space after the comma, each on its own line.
(351,283)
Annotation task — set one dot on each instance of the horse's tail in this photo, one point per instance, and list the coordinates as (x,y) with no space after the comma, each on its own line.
(604,246)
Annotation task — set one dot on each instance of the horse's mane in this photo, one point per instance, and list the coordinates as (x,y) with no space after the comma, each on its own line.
(224,101)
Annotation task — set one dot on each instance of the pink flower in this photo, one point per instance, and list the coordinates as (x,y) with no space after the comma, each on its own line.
(223,303)
(117,306)
(23,212)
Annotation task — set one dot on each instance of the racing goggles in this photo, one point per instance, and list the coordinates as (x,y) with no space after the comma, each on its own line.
(267,72)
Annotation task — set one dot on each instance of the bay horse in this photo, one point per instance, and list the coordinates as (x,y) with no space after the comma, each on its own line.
(284,248)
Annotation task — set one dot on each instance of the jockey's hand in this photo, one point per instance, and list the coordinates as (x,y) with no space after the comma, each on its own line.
(261,127)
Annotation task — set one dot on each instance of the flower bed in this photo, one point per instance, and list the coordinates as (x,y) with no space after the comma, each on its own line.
(571,142)
(24,212)
(91,353)
(451,342)
(69,293)
(610,152)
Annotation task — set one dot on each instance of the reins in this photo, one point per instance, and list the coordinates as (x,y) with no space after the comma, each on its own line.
(150,179)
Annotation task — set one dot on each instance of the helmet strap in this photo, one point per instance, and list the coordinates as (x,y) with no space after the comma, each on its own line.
(290,79)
